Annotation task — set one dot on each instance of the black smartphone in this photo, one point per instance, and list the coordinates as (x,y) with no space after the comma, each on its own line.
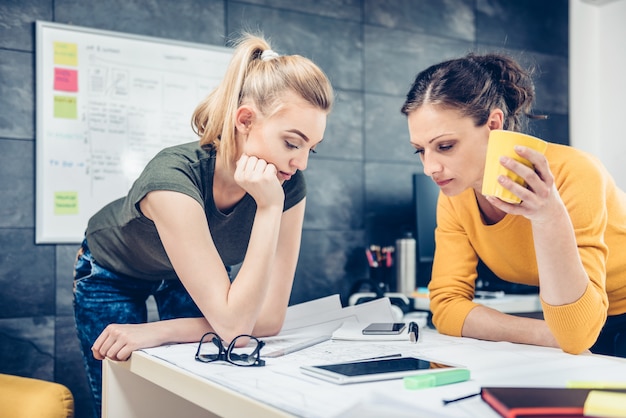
(384,328)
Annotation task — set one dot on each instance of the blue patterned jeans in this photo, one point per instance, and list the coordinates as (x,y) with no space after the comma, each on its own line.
(102,297)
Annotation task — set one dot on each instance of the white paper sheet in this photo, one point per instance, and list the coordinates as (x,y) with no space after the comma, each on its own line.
(353,331)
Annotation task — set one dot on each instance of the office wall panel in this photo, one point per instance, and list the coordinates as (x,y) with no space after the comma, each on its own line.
(182,20)
(17,95)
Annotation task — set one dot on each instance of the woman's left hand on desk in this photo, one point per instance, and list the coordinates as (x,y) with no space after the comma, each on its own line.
(118,341)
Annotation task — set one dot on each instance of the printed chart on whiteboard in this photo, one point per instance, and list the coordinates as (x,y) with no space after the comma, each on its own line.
(107,102)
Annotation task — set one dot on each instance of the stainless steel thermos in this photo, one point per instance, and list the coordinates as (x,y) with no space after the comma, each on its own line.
(405,264)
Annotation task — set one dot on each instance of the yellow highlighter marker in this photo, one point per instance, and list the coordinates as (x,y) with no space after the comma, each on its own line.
(596,384)
(429,380)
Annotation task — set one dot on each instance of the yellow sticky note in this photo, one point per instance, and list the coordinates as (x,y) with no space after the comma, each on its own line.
(66,203)
(65,53)
(65,107)
(605,404)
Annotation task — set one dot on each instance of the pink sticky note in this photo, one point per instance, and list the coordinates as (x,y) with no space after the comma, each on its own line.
(65,80)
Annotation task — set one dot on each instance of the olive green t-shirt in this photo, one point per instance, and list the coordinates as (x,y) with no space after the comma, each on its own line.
(123,240)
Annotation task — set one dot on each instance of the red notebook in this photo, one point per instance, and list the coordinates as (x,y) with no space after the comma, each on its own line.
(512,402)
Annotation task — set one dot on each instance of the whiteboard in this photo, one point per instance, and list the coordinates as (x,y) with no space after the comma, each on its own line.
(107,102)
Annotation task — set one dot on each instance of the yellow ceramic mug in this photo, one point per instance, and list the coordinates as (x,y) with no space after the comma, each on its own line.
(502,143)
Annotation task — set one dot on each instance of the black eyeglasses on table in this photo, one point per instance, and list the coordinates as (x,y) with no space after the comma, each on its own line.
(211,348)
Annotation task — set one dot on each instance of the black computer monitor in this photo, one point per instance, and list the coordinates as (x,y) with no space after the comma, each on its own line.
(425,195)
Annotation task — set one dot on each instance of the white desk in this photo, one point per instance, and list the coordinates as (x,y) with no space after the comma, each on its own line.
(149,386)
(146,386)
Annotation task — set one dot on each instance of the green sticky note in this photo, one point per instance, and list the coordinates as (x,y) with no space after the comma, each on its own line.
(66,203)
(65,107)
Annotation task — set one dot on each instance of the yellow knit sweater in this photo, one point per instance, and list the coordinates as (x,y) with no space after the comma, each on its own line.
(597,209)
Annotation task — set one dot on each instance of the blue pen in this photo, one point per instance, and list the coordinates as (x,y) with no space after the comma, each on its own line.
(429,380)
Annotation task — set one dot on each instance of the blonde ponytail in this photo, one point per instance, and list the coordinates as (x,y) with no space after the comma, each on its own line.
(257,74)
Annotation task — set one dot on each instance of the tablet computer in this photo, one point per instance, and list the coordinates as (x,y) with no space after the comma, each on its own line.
(371,370)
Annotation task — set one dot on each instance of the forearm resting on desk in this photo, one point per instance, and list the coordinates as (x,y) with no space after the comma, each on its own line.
(118,341)
(489,324)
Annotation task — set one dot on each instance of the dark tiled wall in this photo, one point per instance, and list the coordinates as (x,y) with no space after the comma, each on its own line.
(360,180)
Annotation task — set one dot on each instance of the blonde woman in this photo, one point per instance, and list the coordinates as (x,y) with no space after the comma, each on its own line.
(236,196)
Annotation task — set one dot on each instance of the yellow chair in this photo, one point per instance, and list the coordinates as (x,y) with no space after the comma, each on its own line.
(23,397)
